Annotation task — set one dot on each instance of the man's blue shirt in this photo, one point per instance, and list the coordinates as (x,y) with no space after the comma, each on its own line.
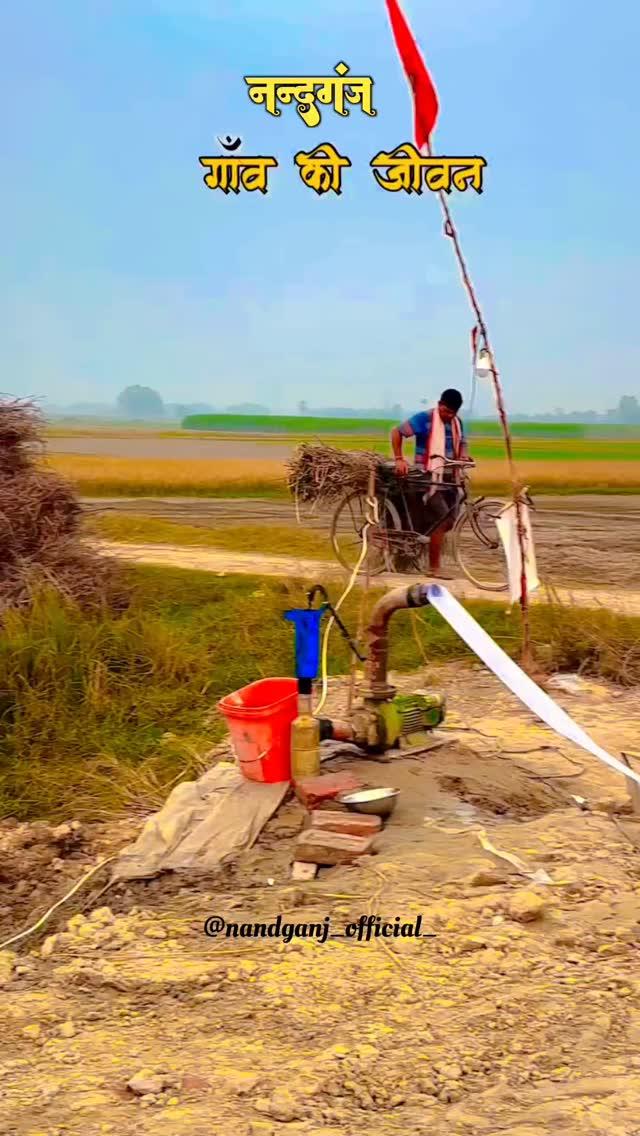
(420,425)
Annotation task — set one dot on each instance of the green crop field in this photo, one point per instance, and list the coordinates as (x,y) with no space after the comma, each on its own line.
(368,428)
(301,425)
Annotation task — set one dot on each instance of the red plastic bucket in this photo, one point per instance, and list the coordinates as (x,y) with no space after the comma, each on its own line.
(259,718)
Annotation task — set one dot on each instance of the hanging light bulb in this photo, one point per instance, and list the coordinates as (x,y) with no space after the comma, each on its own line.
(483,364)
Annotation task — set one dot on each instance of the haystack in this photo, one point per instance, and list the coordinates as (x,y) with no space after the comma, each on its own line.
(40,522)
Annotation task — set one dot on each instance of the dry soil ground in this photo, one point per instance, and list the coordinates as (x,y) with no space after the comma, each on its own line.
(521,1015)
(589,551)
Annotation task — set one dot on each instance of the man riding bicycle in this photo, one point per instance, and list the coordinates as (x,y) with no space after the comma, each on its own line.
(439,435)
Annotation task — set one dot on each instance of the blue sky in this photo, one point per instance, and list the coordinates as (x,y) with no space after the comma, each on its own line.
(119,266)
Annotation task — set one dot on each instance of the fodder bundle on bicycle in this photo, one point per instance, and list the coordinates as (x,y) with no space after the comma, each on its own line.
(322,474)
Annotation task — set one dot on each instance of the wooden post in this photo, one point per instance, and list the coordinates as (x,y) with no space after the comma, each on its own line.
(452,233)
(371,491)
(634,788)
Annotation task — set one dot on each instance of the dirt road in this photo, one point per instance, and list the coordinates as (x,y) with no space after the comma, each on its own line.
(521,1015)
(245,563)
(581,542)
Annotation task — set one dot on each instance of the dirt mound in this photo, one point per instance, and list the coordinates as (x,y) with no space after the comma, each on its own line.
(498,787)
(40,518)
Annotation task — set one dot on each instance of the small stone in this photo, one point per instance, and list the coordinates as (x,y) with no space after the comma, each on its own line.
(300,871)
(260,1128)
(326,1132)
(526,906)
(565,937)
(281,1105)
(607,950)
(486,876)
(86,930)
(367,1052)
(451,1072)
(67,1029)
(193,1082)
(61,832)
(7,963)
(146,1083)
(49,946)
(33,1032)
(248,966)
(155,933)
(470,943)
(365,1100)
(102,915)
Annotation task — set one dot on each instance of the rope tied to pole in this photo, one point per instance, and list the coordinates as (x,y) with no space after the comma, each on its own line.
(451,232)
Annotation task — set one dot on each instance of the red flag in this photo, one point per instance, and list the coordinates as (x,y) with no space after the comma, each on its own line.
(425,99)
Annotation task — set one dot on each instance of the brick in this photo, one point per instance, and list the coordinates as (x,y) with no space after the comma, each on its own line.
(312,791)
(331,847)
(352,824)
(300,871)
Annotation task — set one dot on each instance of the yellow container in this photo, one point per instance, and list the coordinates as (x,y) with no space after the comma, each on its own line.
(305,744)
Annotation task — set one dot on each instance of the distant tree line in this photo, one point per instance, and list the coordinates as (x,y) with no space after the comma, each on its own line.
(627,412)
(141,403)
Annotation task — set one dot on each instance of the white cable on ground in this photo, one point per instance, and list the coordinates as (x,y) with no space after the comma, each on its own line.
(325,640)
(47,914)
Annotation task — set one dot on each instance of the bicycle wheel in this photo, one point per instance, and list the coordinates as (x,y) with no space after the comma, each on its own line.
(477,548)
(347,525)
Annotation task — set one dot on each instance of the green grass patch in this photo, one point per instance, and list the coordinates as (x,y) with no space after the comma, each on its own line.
(99,713)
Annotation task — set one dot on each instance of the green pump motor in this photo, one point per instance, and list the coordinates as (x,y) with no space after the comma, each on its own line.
(400,721)
(406,719)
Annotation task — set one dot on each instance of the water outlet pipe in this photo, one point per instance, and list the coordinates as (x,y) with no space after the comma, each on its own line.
(376,683)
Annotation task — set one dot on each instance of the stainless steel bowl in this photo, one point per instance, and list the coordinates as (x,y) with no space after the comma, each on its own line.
(380,802)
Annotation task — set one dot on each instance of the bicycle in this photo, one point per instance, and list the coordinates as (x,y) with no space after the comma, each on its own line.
(395,545)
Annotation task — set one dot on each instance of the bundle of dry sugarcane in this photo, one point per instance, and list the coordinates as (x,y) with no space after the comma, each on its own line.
(323,474)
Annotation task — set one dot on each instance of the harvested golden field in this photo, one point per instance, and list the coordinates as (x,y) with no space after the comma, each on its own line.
(105,475)
(575,476)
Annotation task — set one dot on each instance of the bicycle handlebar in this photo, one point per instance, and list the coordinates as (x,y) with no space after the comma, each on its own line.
(465,462)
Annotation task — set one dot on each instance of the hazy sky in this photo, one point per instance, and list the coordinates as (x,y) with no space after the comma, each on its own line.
(120,266)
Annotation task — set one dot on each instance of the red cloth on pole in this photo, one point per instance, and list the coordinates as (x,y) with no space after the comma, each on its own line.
(425,98)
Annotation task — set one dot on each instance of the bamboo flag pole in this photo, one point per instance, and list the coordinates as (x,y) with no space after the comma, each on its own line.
(426,108)
(452,233)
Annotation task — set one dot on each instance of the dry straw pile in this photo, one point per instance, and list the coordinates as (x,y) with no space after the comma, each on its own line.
(40,519)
